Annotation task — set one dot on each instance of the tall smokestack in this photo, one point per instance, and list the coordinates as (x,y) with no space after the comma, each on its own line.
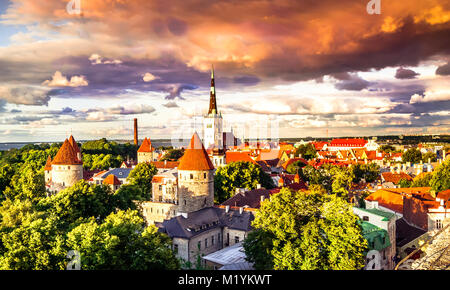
(136,140)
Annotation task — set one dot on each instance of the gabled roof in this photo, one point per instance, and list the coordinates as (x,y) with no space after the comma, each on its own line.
(112,180)
(66,155)
(146,146)
(195,156)
(251,198)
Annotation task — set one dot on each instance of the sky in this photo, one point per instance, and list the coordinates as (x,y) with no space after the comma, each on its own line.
(284,68)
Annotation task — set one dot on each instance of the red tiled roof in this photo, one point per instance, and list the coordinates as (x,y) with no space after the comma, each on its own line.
(111,180)
(319,145)
(195,156)
(348,143)
(234,156)
(165,164)
(48,165)
(157,179)
(146,146)
(388,199)
(395,177)
(66,155)
(74,144)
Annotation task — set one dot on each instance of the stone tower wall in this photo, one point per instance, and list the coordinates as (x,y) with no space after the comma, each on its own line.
(197,192)
(145,157)
(67,175)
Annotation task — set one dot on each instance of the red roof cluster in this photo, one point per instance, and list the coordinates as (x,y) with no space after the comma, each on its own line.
(195,156)
(395,177)
(348,142)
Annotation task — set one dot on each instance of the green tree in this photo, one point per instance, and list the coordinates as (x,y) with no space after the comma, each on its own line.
(341,180)
(122,242)
(441,177)
(387,148)
(295,167)
(423,181)
(412,155)
(78,202)
(308,231)
(173,155)
(429,156)
(404,183)
(6,174)
(142,176)
(241,174)
(35,245)
(369,172)
(306,151)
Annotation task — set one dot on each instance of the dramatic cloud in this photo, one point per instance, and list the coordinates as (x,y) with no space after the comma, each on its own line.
(148,52)
(58,80)
(443,70)
(403,73)
(25,95)
(351,82)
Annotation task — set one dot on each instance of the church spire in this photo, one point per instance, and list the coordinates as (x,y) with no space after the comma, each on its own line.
(212,95)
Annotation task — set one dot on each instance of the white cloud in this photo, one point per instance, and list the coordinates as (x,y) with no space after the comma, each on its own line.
(148,77)
(97,59)
(41,123)
(431,96)
(58,80)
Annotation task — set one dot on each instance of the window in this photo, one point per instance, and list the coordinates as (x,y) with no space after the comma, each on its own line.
(236,239)
(192,176)
(365,218)
(204,175)
(438,224)
(184,202)
(212,240)
(206,243)
(68,167)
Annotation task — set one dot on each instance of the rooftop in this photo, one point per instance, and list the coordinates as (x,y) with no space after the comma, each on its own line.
(195,156)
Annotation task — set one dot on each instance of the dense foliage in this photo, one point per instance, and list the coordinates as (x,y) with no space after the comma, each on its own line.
(173,154)
(103,154)
(37,231)
(239,175)
(142,176)
(306,151)
(412,155)
(306,231)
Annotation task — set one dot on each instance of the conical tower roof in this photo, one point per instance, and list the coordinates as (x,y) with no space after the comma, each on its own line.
(195,156)
(74,144)
(66,155)
(146,146)
(48,164)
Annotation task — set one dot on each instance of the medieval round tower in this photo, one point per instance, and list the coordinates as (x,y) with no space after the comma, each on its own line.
(195,178)
(66,168)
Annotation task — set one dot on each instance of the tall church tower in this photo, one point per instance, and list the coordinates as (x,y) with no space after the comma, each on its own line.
(212,122)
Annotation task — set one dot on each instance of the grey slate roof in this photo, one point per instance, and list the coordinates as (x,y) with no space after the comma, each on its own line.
(204,220)
(118,172)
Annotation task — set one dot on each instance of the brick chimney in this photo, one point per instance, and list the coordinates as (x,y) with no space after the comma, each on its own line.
(136,140)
